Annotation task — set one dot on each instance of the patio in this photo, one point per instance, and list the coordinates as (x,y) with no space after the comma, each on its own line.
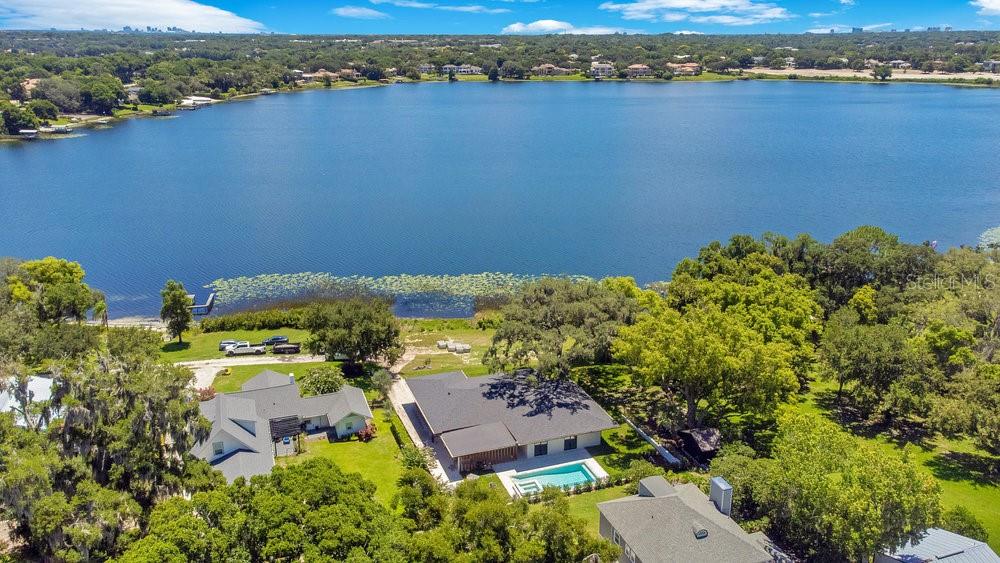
(507,472)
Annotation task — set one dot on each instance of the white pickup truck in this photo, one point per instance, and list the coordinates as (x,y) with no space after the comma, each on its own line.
(245,349)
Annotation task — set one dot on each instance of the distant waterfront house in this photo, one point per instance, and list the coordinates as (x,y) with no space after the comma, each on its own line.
(448,69)
(549,69)
(482,421)
(991,66)
(685,69)
(677,523)
(941,545)
(601,70)
(469,69)
(638,71)
(248,425)
(426,68)
(900,64)
(37,389)
(349,74)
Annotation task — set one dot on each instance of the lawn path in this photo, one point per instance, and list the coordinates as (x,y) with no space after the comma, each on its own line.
(205,370)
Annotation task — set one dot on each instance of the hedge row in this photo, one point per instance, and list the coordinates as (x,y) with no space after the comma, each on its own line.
(254,320)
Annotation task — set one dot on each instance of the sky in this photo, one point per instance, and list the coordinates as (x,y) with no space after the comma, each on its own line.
(502,16)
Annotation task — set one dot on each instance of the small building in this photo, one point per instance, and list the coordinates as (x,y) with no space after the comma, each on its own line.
(27,133)
(941,545)
(672,523)
(638,71)
(350,74)
(900,64)
(449,69)
(483,421)
(36,389)
(426,68)
(991,66)
(701,443)
(549,69)
(249,425)
(684,69)
(469,69)
(320,75)
(601,70)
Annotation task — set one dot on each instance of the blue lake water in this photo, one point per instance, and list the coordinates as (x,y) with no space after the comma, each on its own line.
(583,178)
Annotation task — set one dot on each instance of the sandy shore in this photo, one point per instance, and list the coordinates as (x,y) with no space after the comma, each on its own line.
(896,74)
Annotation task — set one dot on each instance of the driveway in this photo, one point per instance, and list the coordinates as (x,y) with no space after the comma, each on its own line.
(406,407)
(205,370)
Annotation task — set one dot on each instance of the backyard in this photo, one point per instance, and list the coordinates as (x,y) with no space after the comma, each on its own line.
(205,345)
(377,460)
(238,375)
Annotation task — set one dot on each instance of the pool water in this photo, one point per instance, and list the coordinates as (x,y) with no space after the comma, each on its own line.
(562,476)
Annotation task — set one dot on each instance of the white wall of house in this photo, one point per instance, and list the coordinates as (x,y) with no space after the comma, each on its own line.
(349,425)
(316,422)
(229,445)
(587,440)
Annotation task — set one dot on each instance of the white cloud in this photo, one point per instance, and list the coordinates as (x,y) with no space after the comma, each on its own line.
(847,2)
(359,12)
(688,32)
(541,27)
(987,7)
(115,14)
(725,12)
(466,8)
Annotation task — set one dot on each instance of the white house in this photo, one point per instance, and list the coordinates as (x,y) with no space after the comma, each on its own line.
(248,425)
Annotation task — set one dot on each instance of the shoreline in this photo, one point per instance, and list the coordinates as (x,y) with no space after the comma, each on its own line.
(845,76)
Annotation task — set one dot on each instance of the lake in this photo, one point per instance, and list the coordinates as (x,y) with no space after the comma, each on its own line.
(582,178)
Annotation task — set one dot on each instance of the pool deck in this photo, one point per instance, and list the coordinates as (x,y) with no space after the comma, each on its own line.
(507,472)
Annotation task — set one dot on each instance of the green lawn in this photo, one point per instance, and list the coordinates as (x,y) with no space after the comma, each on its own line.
(205,345)
(968,476)
(376,460)
(238,375)
(705,77)
(585,505)
(424,333)
(619,447)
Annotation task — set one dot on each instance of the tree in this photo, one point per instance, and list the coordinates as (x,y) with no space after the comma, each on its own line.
(559,324)
(961,520)
(494,74)
(382,380)
(13,119)
(176,310)
(970,405)
(43,109)
(831,496)
(322,380)
(882,72)
(705,355)
(359,330)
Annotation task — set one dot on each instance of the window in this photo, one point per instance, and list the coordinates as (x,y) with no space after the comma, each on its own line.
(217,448)
(349,425)
(617,539)
(569,443)
(542,449)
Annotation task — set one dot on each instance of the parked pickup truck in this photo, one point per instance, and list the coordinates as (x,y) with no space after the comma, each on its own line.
(287,348)
(245,349)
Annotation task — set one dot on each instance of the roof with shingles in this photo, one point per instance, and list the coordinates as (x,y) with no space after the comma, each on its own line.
(532,410)
(661,528)
(475,439)
(941,545)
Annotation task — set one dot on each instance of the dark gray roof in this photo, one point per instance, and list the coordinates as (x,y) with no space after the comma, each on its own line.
(475,439)
(939,544)
(233,415)
(532,411)
(232,418)
(660,529)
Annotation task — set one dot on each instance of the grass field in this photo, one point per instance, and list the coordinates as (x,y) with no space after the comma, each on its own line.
(205,346)
(238,375)
(968,476)
(584,505)
(424,333)
(376,460)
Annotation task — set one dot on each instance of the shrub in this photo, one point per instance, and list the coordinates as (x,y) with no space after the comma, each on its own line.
(254,320)
(412,457)
(206,393)
(367,433)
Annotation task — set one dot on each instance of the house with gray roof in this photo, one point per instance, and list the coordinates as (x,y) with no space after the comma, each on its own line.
(248,425)
(677,523)
(941,545)
(482,421)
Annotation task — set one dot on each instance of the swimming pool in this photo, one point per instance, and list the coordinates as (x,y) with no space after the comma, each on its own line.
(562,476)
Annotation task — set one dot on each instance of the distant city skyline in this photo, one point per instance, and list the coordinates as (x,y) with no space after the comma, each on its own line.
(503,16)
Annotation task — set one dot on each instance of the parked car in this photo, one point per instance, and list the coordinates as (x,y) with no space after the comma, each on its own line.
(226,344)
(287,348)
(237,343)
(245,349)
(275,340)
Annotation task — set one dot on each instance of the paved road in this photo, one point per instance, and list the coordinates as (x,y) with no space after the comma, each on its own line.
(205,370)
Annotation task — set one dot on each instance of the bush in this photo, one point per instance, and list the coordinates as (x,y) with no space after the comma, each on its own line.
(206,393)
(489,320)
(367,433)
(637,470)
(412,457)
(254,320)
